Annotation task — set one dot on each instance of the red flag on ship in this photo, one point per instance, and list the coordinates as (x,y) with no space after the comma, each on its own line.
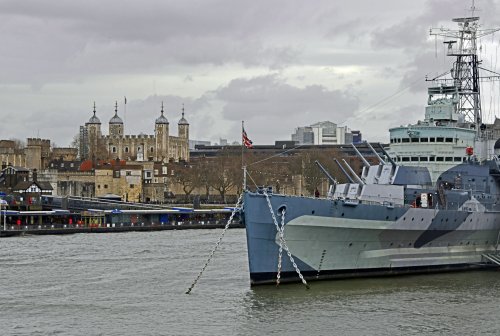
(246,141)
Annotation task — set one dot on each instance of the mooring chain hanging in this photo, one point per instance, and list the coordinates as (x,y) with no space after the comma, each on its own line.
(236,208)
(278,276)
(282,239)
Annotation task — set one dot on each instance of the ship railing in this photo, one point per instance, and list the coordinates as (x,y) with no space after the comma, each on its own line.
(385,201)
(460,52)
(73,226)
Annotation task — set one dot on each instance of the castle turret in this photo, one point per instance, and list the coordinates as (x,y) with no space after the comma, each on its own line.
(92,134)
(183,137)
(183,126)
(162,136)
(116,124)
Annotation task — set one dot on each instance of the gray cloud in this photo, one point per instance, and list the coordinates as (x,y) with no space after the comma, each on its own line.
(277,64)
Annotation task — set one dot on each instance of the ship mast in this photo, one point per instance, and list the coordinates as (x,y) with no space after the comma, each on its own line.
(462,44)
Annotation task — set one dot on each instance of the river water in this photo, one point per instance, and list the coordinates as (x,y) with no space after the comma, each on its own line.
(134,284)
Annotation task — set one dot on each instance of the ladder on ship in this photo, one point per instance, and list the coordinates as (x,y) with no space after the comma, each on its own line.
(492,257)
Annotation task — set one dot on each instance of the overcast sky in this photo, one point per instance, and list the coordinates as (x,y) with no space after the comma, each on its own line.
(277,64)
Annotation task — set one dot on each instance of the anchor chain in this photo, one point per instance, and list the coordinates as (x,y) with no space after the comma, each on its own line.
(278,276)
(217,244)
(283,241)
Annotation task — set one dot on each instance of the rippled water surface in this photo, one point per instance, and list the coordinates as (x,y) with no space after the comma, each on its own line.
(134,284)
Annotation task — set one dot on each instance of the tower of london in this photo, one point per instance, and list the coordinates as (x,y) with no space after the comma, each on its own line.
(161,146)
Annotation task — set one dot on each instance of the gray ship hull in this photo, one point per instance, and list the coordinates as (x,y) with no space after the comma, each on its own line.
(333,239)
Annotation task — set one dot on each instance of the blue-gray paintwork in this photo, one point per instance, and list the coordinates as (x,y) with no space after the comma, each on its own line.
(446,226)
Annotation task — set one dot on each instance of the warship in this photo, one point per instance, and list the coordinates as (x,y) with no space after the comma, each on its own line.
(439,212)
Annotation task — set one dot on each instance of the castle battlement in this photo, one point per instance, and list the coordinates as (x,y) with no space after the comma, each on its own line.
(150,147)
(139,136)
(38,142)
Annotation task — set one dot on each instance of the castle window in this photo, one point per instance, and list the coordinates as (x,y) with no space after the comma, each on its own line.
(138,149)
(126,149)
(105,186)
(113,149)
(152,149)
(132,186)
(128,173)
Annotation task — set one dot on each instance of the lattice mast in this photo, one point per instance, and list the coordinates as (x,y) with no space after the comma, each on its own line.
(465,78)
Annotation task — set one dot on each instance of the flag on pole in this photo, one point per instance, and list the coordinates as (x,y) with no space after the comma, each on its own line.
(246,141)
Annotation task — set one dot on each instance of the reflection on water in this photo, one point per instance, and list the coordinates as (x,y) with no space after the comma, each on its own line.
(134,284)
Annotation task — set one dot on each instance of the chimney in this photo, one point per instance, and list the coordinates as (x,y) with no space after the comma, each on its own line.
(35,175)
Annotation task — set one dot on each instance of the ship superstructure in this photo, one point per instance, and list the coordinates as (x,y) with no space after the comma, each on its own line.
(453,129)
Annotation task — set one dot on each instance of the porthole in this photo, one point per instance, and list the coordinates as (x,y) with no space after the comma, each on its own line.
(412,219)
(312,212)
(342,214)
(350,244)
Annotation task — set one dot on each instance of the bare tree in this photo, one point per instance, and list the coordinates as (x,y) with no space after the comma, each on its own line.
(75,143)
(186,176)
(222,171)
